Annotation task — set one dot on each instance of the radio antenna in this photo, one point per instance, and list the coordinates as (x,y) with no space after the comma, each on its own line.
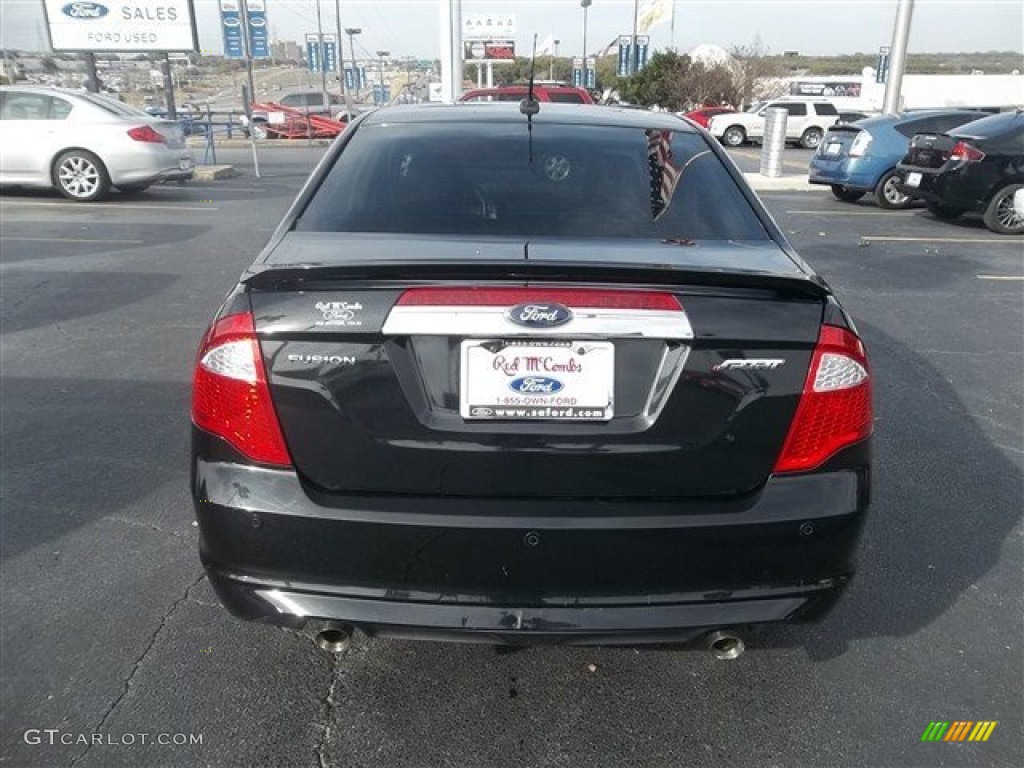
(529,106)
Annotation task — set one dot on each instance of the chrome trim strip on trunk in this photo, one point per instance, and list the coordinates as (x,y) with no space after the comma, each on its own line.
(491,321)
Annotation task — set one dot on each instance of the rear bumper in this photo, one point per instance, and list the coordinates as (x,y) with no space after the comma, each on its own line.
(962,187)
(641,620)
(930,187)
(526,571)
(851,173)
(152,165)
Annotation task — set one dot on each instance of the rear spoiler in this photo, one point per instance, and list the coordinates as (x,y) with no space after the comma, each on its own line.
(306,277)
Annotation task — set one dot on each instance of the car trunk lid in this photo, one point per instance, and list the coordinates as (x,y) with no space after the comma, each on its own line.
(929,150)
(390,371)
(838,142)
(173,132)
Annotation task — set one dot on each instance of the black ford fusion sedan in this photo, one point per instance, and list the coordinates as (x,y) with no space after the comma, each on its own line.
(519,378)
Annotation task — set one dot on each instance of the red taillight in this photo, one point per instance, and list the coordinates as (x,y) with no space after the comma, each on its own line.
(146,133)
(497,297)
(835,407)
(230,395)
(964,151)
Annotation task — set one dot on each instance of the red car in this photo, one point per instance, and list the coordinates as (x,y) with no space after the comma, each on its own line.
(563,94)
(703,115)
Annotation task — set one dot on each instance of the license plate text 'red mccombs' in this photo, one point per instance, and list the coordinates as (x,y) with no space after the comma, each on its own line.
(542,379)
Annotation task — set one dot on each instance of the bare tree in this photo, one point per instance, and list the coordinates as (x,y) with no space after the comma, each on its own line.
(756,74)
(709,84)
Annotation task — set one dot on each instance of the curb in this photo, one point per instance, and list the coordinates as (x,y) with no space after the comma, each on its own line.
(213,172)
(761,183)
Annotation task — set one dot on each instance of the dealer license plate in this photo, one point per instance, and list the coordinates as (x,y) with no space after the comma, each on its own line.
(531,380)
(833,149)
(184,165)
(913,180)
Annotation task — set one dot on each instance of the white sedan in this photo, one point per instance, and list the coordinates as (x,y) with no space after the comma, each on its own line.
(82,144)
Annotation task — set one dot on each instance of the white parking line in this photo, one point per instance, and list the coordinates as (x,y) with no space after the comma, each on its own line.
(988,240)
(847,213)
(70,240)
(1000,277)
(106,206)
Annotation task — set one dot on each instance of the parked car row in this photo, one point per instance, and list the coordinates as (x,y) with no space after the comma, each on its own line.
(861,158)
(956,161)
(979,168)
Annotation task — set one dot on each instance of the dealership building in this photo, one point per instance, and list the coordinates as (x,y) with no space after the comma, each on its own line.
(917,92)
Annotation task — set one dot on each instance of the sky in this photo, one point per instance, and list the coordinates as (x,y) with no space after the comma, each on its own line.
(817,27)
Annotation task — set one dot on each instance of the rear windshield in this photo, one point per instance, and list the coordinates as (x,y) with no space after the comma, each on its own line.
(565,97)
(563,180)
(991,126)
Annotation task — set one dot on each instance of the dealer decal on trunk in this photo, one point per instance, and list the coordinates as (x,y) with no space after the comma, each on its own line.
(340,313)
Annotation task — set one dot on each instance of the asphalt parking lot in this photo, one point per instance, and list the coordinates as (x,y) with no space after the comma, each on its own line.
(109,628)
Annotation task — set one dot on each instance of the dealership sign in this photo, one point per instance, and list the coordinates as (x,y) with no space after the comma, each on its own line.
(121,25)
(259,37)
(489,50)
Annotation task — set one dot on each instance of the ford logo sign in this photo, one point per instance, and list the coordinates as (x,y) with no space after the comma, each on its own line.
(257,22)
(231,21)
(85,10)
(539,315)
(536,385)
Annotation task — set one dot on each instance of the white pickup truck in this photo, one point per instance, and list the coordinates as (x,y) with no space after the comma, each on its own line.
(806,124)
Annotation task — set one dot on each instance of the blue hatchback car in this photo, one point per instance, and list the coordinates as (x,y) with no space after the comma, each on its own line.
(861,157)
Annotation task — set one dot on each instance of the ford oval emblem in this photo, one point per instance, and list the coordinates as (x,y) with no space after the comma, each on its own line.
(539,315)
(85,10)
(258,22)
(536,385)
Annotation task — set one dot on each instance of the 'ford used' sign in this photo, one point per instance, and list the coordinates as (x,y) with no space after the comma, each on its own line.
(85,10)
(123,26)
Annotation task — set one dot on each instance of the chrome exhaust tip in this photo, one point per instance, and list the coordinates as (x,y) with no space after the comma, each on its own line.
(334,638)
(725,644)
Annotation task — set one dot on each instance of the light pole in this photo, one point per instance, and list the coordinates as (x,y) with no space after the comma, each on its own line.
(585,5)
(323,58)
(247,51)
(408,78)
(352,32)
(341,59)
(897,62)
(634,54)
(383,55)
(551,65)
